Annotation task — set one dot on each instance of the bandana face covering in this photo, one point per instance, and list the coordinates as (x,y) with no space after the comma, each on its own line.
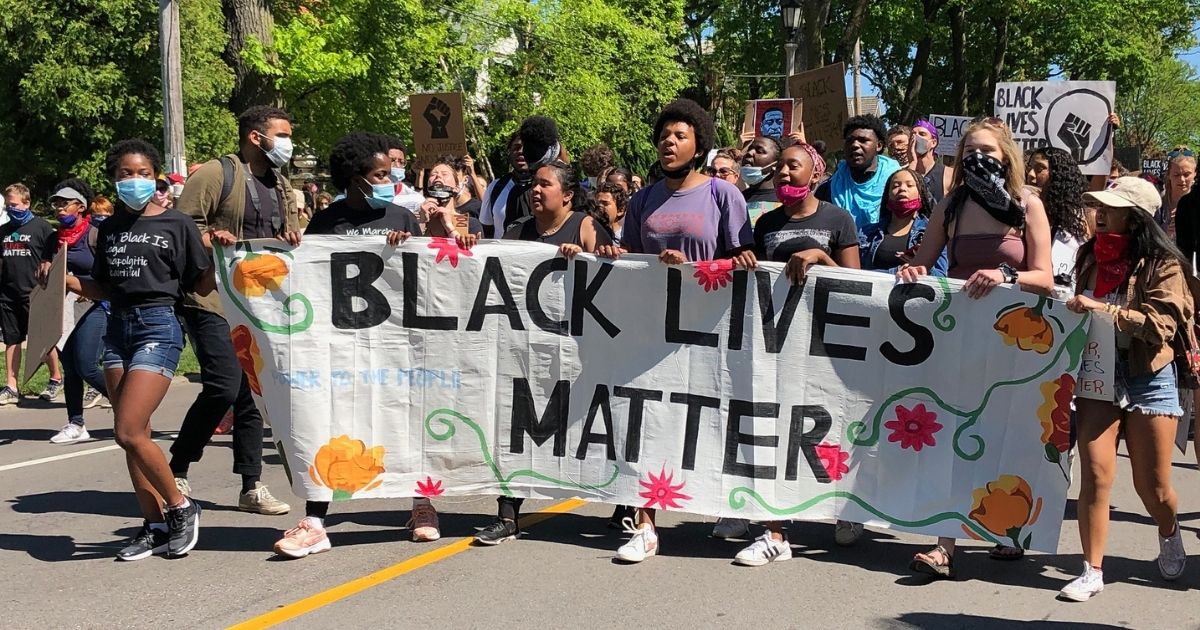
(985,182)
(1112,261)
(904,208)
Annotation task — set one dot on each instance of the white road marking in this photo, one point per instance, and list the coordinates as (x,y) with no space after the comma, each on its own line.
(59,458)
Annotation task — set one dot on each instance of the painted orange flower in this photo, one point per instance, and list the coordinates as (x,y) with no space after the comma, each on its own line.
(1005,506)
(1055,415)
(346,466)
(256,274)
(1026,328)
(248,356)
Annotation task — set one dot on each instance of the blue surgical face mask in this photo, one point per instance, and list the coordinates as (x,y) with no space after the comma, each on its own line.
(281,151)
(381,195)
(754,175)
(397,174)
(20,215)
(136,192)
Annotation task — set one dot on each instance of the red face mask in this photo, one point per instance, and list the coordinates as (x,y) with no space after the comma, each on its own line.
(904,208)
(1112,261)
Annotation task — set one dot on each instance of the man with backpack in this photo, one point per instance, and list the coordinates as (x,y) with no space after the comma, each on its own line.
(245,195)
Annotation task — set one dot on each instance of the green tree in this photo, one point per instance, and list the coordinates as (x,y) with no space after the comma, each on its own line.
(76,77)
(1163,111)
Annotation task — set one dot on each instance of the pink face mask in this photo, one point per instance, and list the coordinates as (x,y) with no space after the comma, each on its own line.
(790,195)
(904,208)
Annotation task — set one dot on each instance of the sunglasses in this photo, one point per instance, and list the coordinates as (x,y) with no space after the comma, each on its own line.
(719,172)
(1184,152)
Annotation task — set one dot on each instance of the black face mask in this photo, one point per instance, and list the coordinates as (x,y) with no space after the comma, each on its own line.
(678,173)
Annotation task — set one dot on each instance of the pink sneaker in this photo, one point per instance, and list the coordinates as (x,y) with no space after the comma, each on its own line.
(302,540)
(424,523)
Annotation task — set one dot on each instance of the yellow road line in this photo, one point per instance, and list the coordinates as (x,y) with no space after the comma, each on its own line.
(353,587)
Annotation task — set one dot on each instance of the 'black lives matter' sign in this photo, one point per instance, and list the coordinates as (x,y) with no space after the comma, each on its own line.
(1070,115)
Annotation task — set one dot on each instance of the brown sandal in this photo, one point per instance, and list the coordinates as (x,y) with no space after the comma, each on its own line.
(928,566)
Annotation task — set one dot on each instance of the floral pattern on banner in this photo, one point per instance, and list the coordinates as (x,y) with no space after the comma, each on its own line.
(1004,507)
(1055,416)
(429,488)
(448,249)
(714,274)
(913,429)
(659,490)
(248,356)
(834,459)
(347,466)
(1027,327)
(256,274)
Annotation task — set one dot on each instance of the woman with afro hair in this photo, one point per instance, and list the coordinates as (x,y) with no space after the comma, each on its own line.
(1056,176)
(685,217)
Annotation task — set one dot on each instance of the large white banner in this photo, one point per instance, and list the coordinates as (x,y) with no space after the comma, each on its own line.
(429,370)
(1070,115)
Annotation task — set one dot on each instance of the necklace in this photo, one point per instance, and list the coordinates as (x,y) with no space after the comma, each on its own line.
(554,230)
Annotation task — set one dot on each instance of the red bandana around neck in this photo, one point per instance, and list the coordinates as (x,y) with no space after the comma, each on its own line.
(69,236)
(1112,261)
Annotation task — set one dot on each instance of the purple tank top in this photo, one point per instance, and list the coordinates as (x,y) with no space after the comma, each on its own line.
(971,252)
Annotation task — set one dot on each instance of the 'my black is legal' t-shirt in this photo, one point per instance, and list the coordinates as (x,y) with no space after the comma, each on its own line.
(25,247)
(341,218)
(148,260)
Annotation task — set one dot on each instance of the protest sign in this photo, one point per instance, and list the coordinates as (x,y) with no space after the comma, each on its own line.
(950,130)
(427,370)
(1154,166)
(823,92)
(437,124)
(46,309)
(1098,366)
(773,118)
(1070,115)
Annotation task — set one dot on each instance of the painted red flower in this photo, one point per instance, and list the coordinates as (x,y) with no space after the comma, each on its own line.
(913,429)
(714,274)
(833,458)
(429,488)
(660,490)
(448,248)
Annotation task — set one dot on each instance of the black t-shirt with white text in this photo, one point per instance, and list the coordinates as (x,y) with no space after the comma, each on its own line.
(144,261)
(830,229)
(25,247)
(341,218)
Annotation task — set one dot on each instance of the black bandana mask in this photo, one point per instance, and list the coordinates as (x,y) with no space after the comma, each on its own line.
(984,178)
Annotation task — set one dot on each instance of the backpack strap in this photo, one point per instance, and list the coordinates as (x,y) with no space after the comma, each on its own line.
(226,179)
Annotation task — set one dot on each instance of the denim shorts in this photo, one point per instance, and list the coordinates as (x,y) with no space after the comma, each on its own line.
(148,339)
(1151,394)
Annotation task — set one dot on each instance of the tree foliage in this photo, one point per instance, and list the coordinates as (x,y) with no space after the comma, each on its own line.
(1163,111)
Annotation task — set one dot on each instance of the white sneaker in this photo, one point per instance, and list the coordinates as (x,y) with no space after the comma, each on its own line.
(731,528)
(1084,587)
(763,550)
(1171,557)
(846,533)
(643,544)
(70,434)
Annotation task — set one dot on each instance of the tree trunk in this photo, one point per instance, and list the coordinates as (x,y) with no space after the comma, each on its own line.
(854,26)
(812,45)
(958,65)
(920,61)
(244,20)
(998,53)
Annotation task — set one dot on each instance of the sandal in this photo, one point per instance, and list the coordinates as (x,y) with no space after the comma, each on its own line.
(1006,553)
(927,564)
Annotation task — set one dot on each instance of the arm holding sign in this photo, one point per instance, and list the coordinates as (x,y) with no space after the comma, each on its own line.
(1038,277)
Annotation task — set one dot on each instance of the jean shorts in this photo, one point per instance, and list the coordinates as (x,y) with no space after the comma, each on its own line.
(1151,394)
(147,339)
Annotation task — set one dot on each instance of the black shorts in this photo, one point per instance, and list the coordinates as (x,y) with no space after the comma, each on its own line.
(14,321)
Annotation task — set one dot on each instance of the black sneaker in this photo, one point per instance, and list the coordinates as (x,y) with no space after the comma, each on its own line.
(144,544)
(184,526)
(498,532)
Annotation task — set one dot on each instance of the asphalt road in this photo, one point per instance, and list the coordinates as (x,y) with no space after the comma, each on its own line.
(63,519)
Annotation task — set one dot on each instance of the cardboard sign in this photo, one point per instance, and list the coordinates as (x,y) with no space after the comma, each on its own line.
(46,308)
(1098,366)
(773,118)
(438,126)
(950,131)
(823,92)
(429,370)
(1070,115)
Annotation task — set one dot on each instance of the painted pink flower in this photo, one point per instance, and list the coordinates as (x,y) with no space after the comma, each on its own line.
(448,248)
(714,274)
(429,488)
(660,490)
(833,458)
(913,429)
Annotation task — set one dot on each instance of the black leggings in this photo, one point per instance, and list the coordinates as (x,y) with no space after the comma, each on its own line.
(510,507)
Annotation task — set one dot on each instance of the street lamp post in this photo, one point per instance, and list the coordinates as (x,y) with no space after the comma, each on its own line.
(791,11)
